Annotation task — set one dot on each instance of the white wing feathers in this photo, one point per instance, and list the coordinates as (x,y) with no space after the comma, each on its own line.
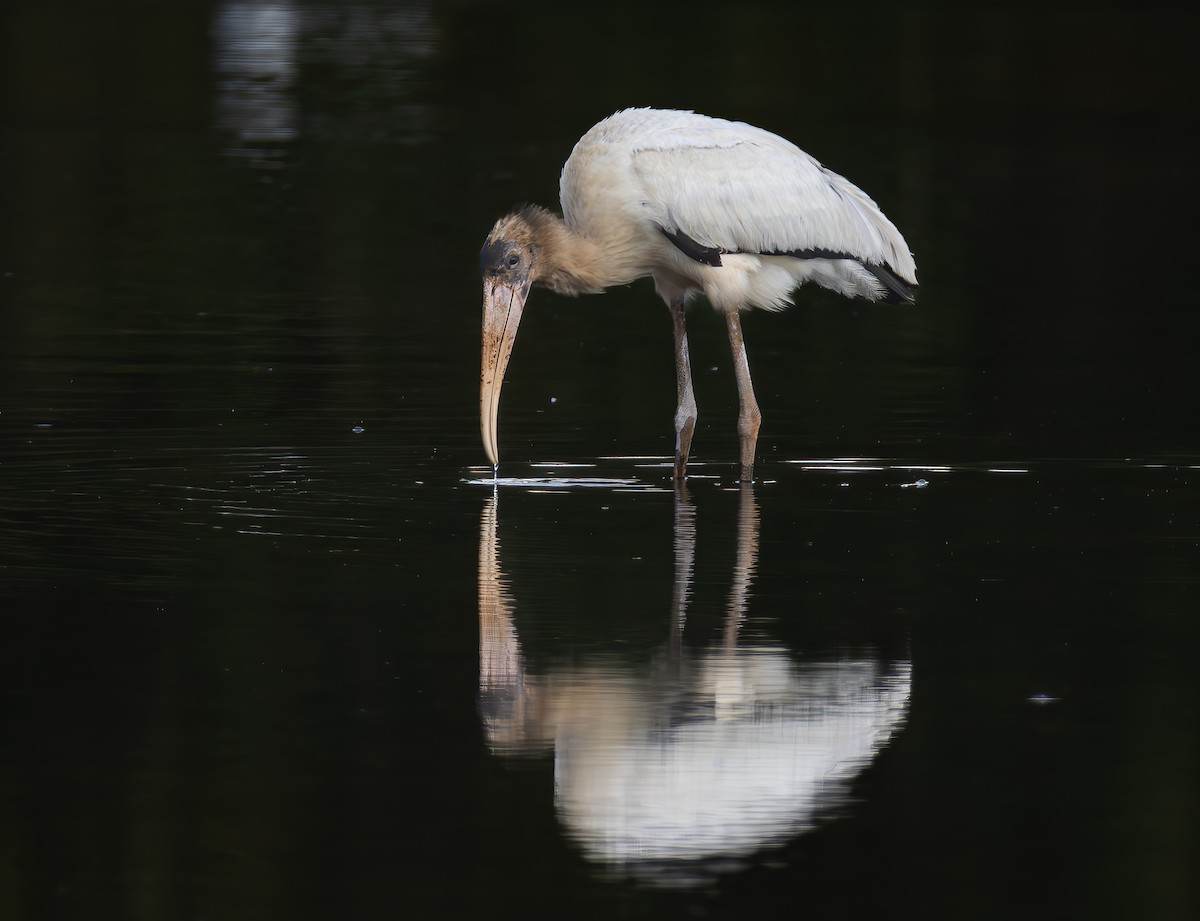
(736,202)
(764,195)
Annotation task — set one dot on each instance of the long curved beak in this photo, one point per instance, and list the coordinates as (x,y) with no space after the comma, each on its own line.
(502,306)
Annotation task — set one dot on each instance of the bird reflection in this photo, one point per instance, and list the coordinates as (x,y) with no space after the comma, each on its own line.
(706,754)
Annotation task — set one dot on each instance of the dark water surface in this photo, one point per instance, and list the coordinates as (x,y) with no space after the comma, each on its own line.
(273,644)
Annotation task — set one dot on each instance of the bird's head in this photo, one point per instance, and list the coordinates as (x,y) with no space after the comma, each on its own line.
(509,265)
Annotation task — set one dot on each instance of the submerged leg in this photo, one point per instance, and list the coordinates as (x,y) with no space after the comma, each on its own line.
(749,418)
(685,411)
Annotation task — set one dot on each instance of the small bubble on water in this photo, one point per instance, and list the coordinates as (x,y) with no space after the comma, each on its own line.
(358,429)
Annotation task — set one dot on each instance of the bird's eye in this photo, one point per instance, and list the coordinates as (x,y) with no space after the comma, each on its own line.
(513,260)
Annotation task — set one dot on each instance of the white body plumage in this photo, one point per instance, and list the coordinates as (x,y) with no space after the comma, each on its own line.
(742,195)
(701,205)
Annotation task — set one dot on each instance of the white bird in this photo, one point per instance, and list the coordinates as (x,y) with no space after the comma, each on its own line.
(703,206)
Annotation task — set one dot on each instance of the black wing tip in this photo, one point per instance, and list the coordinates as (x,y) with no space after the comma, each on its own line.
(896,289)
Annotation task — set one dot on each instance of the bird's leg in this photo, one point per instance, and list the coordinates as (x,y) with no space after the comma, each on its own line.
(749,417)
(685,411)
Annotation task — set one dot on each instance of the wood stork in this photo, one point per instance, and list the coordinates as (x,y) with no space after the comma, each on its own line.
(703,206)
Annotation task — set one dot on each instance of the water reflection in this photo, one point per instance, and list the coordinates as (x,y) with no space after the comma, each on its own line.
(266,53)
(669,769)
(256,63)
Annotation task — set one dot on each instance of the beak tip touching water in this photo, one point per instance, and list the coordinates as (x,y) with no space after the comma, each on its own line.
(489,448)
(502,306)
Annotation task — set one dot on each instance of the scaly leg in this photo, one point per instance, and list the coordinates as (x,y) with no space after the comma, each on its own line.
(685,412)
(749,417)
